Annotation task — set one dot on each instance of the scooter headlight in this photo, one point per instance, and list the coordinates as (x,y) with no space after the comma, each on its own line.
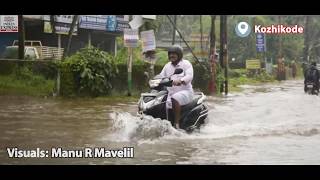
(154,83)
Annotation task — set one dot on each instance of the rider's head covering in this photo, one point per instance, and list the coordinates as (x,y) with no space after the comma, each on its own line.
(176,49)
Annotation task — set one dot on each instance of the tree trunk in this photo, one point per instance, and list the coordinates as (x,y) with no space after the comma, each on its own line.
(280,40)
(53,24)
(73,24)
(306,39)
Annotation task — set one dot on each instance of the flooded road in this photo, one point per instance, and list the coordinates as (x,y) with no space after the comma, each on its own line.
(268,124)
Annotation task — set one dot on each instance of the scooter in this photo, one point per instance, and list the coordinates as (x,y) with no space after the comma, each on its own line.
(153,103)
(311,88)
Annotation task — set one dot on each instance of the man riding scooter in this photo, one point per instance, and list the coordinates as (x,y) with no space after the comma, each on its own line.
(181,93)
(312,75)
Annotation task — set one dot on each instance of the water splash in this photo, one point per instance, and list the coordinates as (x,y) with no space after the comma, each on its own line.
(126,127)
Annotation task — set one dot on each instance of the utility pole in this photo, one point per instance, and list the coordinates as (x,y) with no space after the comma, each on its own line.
(306,40)
(89,38)
(21,36)
(59,59)
(223,52)
(201,47)
(130,54)
(212,55)
(221,49)
(129,66)
(174,29)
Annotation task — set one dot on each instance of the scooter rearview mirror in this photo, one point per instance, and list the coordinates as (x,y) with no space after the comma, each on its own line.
(178,71)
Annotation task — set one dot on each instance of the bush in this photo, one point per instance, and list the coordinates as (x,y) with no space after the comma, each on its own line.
(23,73)
(201,78)
(23,81)
(48,69)
(85,73)
(68,84)
(92,71)
(162,57)
(234,73)
(264,77)
(219,77)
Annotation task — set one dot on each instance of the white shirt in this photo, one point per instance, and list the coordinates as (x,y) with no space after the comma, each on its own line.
(186,76)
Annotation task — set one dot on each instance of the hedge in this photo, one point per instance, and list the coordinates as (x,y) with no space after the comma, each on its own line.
(69,81)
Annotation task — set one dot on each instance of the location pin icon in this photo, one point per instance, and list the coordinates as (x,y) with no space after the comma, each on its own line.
(243,29)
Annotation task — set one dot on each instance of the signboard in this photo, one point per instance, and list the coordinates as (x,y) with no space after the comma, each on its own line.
(197,38)
(111,23)
(201,53)
(153,17)
(121,25)
(253,64)
(62,24)
(9,23)
(131,37)
(93,22)
(38,17)
(60,18)
(196,41)
(260,42)
(104,22)
(136,22)
(148,41)
(61,28)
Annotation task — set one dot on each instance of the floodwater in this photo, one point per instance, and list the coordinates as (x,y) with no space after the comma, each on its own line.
(266,124)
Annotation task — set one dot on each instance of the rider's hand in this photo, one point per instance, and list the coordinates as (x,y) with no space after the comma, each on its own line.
(177,82)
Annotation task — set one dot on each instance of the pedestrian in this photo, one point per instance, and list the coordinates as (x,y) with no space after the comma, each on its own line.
(294,69)
(281,69)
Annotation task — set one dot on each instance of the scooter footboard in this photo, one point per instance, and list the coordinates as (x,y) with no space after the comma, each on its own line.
(195,117)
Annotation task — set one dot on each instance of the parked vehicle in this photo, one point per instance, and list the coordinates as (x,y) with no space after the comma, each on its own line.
(33,50)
